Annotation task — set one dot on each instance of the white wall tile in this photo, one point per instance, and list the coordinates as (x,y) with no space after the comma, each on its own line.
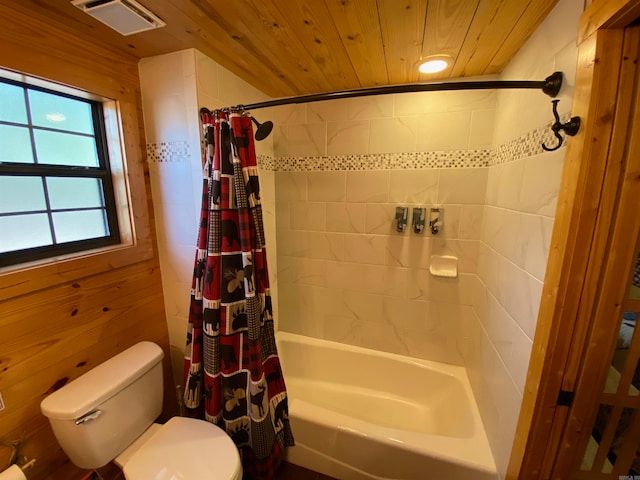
(356,277)
(414,186)
(408,104)
(471,218)
(307,140)
(291,186)
(463,185)
(348,137)
(369,249)
(368,186)
(366,108)
(541,183)
(442,131)
(393,135)
(345,217)
(405,314)
(481,130)
(325,111)
(327,186)
(307,216)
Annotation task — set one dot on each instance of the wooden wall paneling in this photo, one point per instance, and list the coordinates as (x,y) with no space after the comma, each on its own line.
(594,102)
(403,28)
(36,47)
(57,322)
(54,52)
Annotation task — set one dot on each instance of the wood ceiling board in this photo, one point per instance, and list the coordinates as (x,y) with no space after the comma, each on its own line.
(260,28)
(230,47)
(402,23)
(317,45)
(535,13)
(359,28)
(446,30)
(312,23)
(492,23)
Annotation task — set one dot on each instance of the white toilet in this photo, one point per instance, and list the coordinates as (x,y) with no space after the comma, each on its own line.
(108,414)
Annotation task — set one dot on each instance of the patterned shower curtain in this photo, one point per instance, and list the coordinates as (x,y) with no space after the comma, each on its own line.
(232,371)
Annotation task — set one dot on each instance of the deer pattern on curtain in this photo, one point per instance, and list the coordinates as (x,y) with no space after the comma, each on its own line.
(232,370)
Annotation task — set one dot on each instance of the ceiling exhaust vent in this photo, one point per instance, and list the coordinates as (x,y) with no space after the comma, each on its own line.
(124,16)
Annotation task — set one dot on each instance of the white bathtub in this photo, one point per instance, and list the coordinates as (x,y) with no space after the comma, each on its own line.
(359,414)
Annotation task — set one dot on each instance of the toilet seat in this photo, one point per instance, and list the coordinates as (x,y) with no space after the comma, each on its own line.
(185,449)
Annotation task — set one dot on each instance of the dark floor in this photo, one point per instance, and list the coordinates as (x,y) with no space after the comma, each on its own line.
(289,471)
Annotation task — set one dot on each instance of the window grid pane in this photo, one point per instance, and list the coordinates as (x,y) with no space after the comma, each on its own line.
(47,205)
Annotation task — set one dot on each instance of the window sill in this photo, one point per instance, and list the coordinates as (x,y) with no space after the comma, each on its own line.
(25,278)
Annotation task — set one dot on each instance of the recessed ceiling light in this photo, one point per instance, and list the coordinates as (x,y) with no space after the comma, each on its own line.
(434,64)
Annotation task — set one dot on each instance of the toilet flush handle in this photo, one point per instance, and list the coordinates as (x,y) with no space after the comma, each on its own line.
(87,417)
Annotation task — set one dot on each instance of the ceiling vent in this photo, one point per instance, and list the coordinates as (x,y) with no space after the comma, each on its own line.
(124,16)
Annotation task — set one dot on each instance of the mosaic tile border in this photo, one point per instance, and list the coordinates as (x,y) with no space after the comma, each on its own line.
(385,161)
(164,152)
(527,145)
(524,146)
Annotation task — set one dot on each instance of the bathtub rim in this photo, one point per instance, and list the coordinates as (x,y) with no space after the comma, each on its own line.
(481,457)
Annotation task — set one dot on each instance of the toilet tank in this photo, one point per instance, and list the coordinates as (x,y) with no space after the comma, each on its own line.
(96,416)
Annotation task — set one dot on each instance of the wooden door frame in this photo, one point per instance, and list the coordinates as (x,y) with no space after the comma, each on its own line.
(576,253)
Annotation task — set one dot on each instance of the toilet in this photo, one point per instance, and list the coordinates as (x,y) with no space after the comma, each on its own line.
(109,412)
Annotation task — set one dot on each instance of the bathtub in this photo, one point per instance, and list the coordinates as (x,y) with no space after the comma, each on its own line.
(359,414)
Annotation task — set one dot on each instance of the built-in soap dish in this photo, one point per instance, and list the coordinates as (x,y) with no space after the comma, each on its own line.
(443,266)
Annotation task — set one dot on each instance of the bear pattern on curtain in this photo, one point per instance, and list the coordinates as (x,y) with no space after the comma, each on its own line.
(232,370)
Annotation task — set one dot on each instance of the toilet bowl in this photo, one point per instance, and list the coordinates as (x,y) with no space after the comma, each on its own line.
(181,448)
(108,414)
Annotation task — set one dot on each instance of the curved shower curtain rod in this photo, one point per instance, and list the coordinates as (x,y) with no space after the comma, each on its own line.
(550,86)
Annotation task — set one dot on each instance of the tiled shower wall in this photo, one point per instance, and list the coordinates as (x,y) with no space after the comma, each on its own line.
(344,272)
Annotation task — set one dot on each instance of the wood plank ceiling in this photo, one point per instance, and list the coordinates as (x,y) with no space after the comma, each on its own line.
(292,47)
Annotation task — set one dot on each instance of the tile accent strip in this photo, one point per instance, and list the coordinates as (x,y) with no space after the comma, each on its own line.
(528,144)
(168,152)
(385,161)
(524,146)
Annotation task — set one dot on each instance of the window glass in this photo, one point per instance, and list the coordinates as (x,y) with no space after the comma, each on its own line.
(69,192)
(13,230)
(62,113)
(55,148)
(80,225)
(15,144)
(21,194)
(12,106)
(56,195)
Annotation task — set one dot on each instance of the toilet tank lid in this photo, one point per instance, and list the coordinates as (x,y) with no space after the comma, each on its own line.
(101,382)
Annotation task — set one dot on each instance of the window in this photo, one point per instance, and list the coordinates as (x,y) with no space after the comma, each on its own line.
(56,195)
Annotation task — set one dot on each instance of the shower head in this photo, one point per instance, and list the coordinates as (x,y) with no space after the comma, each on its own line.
(263,130)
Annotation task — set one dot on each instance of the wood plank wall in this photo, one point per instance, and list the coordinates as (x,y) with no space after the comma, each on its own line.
(50,336)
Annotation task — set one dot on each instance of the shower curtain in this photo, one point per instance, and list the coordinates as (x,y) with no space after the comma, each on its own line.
(232,370)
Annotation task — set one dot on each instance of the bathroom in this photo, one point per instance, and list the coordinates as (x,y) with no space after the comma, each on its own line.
(329,221)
